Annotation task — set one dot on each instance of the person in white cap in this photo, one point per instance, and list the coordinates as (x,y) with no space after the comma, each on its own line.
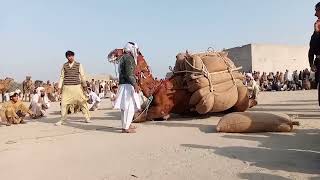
(39,103)
(252,85)
(128,98)
(94,100)
(18,91)
(14,111)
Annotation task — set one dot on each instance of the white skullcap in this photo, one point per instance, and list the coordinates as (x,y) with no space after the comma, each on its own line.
(18,91)
(249,75)
(39,89)
(12,93)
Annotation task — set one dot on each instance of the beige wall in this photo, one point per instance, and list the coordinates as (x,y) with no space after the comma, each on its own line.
(101,77)
(269,57)
(272,58)
(241,56)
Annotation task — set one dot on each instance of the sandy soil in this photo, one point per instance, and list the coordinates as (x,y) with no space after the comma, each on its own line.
(182,148)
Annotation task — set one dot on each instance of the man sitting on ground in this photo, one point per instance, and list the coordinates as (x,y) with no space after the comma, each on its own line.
(252,86)
(14,111)
(39,103)
(94,100)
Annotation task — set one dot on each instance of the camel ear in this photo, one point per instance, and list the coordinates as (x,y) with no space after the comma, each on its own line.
(187,54)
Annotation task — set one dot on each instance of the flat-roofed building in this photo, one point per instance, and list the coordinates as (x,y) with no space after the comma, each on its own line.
(270,57)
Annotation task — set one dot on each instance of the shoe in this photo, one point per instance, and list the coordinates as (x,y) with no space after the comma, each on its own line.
(88,121)
(128,131)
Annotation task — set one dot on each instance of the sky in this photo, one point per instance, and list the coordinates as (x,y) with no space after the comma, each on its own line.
(35,34)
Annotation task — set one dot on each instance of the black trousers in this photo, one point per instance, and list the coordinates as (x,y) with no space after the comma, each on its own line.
(317,77)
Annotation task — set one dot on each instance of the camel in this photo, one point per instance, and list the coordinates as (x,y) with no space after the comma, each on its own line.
(168,96)
(27,89)
(4,86)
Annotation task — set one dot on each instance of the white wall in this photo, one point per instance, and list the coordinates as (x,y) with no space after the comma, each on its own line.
(272,58)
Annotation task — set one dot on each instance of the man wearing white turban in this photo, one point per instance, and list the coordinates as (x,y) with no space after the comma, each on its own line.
(252,85)
(128,98)
(39,103)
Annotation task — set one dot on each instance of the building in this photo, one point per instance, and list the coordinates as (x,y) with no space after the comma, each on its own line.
(100,77)
(269,57)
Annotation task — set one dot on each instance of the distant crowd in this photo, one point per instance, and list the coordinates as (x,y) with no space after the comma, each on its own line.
(279,81)
(102,88)
(283,81)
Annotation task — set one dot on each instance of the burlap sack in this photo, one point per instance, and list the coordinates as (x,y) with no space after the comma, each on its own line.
(206,104)
(196,82)
(225,100)
(223,87)
(197,96)
(223,97)
(214,63)
(224,94)
(242,103)
(194,63)
(254,122)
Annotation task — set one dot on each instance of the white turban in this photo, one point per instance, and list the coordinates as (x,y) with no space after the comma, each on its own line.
(133,49)
(18,91)
(12,93)
(249,75)
(39,89)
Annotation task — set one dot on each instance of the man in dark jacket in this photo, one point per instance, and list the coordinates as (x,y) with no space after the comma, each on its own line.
(128,100)
(314,51)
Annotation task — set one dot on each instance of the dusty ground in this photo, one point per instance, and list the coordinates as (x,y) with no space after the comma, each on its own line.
(183,148)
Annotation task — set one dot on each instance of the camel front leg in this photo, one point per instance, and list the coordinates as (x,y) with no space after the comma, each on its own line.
(157,112)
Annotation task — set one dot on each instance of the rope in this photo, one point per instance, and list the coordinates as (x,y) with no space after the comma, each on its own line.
(229,68)
(150,99)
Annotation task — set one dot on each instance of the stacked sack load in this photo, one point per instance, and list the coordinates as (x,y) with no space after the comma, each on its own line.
(214,81)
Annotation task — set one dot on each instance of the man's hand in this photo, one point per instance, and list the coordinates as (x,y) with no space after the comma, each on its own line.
(59,90)
(313,68)
(137,88)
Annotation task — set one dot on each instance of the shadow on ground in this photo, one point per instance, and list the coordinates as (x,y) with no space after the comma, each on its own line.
(78,122)
(184,121)
(293,152)
(260,176)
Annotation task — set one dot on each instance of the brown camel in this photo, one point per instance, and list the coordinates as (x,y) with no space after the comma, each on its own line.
(168,96)
(4,86)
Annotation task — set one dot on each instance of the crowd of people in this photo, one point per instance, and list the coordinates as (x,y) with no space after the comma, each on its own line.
(40,95)
(101,88)
(280,81)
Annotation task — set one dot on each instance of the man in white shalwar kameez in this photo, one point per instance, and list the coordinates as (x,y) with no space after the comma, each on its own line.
(128,100)
(94,100)
(39,103)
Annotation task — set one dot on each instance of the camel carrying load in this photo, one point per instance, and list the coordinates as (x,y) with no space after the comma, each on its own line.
(201,83)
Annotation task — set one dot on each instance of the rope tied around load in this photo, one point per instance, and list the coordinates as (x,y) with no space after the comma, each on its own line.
(204,70)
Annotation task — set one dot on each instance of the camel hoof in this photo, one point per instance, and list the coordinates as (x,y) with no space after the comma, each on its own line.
(166,117)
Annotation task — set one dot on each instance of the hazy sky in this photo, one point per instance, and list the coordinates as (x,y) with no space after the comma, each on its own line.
(34,35)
